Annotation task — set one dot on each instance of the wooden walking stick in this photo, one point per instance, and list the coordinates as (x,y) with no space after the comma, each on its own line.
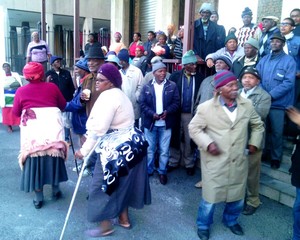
(85,161)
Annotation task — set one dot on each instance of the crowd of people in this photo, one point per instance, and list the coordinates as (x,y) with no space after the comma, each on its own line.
(134,119)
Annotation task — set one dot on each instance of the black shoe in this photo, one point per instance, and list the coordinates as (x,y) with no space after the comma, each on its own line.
(163,179)
(190,171)
(57,195)
(249,210)
(203,234)
(172,168)
(236,229)
(37,204)
(275,164)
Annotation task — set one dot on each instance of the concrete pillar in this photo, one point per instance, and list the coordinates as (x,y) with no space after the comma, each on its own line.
(119,22)
(167,13)
(87,28)
(50,35)
(3,31)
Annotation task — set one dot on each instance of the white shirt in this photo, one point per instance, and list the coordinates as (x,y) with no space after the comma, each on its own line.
(245,94)
(158,88)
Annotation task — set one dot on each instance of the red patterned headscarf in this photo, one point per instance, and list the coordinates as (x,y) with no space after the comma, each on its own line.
(33,72)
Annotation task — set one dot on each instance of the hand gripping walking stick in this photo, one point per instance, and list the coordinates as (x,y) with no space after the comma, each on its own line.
(85,161)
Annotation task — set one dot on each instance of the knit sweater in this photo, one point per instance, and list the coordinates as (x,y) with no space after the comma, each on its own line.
(38,95)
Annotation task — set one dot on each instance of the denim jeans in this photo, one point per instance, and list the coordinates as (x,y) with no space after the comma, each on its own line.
(162,137)
(296,214)
(230,215)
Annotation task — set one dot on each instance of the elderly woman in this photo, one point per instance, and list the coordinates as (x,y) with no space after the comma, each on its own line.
(43,151)
(118,44)
(9,83)
(162,42)
(38,51)
(111,121)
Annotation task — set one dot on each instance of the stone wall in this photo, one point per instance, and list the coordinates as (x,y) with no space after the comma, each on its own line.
(269,8)
(198,4)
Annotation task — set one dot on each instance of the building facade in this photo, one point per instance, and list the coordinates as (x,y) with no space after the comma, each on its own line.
(21,18)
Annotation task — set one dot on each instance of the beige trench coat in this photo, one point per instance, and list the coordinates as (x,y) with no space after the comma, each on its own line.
(224,176)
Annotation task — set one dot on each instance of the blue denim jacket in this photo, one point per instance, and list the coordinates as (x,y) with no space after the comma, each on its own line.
(293,45)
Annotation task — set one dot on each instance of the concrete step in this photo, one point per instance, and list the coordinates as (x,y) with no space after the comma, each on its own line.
(288,147)
(277,190)
(286,158)
(281,174)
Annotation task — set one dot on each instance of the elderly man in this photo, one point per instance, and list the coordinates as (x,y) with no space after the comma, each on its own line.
(62,78)
(207,87)
(132,80)
(269,24)
(159,103)
(206,34)
(38,51)
(249,29)
(250,58)
(79,116)
(232,50)
(95,59)
(277,71)
(220,130)
(261,101)
(188,81)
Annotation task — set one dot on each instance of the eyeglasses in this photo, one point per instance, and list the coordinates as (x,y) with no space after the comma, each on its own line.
(101,80)
(285,24)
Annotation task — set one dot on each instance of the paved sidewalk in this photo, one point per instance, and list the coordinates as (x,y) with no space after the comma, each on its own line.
(171,216)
